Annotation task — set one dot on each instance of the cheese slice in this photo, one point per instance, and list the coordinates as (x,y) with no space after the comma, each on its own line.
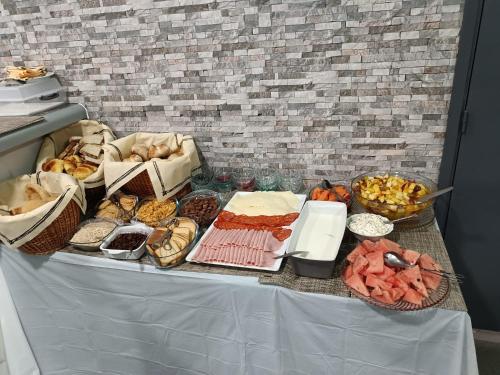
(264,203)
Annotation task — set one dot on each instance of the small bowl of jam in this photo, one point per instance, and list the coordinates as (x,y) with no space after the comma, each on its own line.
(126,242)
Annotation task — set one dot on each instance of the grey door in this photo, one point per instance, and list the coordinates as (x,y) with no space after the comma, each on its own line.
(472,230)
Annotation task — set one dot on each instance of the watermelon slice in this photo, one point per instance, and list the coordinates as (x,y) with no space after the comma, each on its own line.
(348,271)
(374,281)
(387,245)
(431,280)
(376,291)
(398,283)
(376,262)
(411,256)
(397,293)
(359,265)
(413,277)
(426,261)
(369,245)
(385,297)
(413,296)
(355,281)
(359,250)
(388,272)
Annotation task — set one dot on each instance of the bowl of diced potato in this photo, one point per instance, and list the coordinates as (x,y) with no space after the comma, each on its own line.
(392,194)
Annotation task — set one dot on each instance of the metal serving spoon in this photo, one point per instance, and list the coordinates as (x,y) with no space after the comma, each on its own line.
(286,255)
(437,193)
(387,221)
(393,259)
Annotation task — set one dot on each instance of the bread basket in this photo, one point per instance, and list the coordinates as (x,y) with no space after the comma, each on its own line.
(141,186)
(40,212)
(55,236)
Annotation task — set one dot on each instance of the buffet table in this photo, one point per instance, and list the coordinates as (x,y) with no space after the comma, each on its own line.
(92,315)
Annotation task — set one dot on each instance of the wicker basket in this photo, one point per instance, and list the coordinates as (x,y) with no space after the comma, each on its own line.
(55,236)
(141,186)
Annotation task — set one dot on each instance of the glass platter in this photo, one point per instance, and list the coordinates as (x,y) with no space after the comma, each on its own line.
(435,296)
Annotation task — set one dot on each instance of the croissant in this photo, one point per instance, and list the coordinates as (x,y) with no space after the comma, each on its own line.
(35,192)
(159,151)
(134,158)
(83,171)
(53,165)
(140,149)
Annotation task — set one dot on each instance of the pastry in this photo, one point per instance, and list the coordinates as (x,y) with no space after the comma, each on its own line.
(35,196)
(35,192)
(69,150)
(91,150)
(140,149)
(83,171)
(134,158)
(92,160)
(128,202)
(159,151)
(53,165)
(111,211)
(96,139)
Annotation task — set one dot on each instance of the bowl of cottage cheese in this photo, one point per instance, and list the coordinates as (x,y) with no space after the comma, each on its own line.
(369,226)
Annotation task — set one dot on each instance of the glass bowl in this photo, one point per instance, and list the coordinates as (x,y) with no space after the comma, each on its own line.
(268,180)
(203,179)
(223,180)
(339,191)
(202,206)
(169,245)
(370,202)
(156,217)
(124,210)
(292,183)
(245,180)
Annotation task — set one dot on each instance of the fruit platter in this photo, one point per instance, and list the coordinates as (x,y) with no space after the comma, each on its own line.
(392,194)
(370,279)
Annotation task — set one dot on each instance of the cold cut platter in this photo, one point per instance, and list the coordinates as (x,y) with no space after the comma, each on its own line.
(251,231)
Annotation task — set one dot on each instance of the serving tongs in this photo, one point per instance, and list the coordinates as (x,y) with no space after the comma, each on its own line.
(164,240)
(394,259)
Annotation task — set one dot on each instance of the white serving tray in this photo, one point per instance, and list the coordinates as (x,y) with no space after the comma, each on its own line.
(277,263)
(330,235)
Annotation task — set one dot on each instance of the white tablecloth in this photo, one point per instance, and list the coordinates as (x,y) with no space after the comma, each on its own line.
(85,315)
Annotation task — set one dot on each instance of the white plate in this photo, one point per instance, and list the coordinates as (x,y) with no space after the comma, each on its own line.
(281,251)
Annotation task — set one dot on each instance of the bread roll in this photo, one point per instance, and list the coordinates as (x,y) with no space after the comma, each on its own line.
(74,159)
(35,192)
(159,151)
(83,171)
(134,158)
(28,206)
(53,165)
(140,149)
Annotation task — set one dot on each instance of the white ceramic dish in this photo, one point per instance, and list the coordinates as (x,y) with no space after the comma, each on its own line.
(126,254)
(277,263)
(319,232)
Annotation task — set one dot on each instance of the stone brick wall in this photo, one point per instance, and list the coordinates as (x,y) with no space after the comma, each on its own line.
(322,88)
